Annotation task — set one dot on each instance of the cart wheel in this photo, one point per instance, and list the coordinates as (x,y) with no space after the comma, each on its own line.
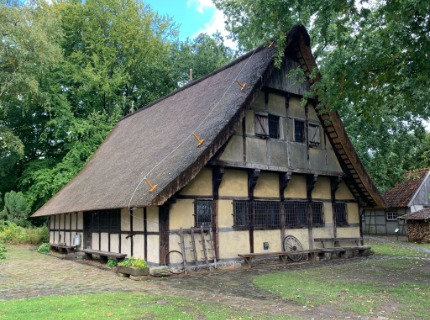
(292,244)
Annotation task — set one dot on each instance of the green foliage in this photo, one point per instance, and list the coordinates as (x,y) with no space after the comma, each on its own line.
(2,256)
(133,262)
(2,248)
(14,234)
(43,248)
(374,66)
(111,263)
(15,209)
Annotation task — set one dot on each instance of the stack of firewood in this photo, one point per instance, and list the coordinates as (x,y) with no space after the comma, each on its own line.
(419,231)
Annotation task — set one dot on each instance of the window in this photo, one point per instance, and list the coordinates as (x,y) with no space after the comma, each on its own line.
(314,135)
(273,127)
(296,214)
(299,131)
(262,125)
(392,215)
(266,214)
(340,210)
(317,214)
(241,213)
(203,213)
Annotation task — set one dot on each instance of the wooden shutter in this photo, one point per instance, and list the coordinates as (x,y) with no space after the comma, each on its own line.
(262,125)
(314,134)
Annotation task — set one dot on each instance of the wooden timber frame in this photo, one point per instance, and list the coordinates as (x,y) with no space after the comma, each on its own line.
(64,230)
(334,185)
(253,176)
(310,184)
(217,174)
(163,217)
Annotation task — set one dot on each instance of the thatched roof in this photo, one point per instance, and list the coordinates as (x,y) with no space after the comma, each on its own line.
(401,194)
(113,176)
(423,214)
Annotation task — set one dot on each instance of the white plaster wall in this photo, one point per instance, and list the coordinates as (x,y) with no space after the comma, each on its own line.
(114,243)
(95,241)
(138,219)
(153,248)
(80,220)
(125,220)
(138,246)
(125,245)
(105,241)
(152,222)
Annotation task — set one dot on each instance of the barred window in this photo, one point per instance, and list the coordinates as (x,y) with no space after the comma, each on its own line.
(273,127)
(296,214)
(106,220)
(340,208)
(317,214)
(115,220)
(241,213)
(203,213)
(266,214)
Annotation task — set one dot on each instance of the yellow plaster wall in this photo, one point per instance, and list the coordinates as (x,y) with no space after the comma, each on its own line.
(153,248)
(301,235)
(174,240)
(325,232)
(138,219)
(201,185)
(114,243)
(80,220)
(259,103)
(225,213)
(234,183)
(328,212)
(232,243)
(152,222)
(271,236)
(295,109)
(267,185)
(233,150)
(322,188)
(256,150)
(105,241)
(125,220)
(181,214)
(276,103)
(351,232)
(296,188)
(352,213)
(67,238)
(250,122)
(343,193)
(51,237)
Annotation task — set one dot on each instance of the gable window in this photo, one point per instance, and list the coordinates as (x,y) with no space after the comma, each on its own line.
(314,135)
(203,213)
(273,127)
(341,217)
(391,215)
(299,131)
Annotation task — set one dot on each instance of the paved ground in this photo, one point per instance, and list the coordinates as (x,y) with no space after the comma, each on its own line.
(29,274)
(405,245)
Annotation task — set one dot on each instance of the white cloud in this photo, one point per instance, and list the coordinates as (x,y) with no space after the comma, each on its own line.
(216,22)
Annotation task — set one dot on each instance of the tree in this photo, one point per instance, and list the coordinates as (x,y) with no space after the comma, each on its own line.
(373,60)
(16,209)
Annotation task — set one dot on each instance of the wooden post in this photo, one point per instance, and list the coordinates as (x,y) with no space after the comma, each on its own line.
(131,232)
(334,185)
(253,176)
(311,180)
(100,233)
(70,229)
(145,235)
(109,226)
(163,218)
(217,174)
(284,178)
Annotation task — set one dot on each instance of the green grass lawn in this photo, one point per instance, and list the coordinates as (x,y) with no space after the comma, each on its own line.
(388,249)
(395,288)
(121,305)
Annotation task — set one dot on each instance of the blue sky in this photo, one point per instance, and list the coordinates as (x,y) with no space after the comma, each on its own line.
(194,16)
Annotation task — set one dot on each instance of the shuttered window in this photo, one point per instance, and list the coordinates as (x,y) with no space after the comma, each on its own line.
(262,125)
(314,135)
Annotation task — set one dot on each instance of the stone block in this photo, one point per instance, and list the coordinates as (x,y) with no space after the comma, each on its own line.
(138,278)
(162,271)
(347,254)
(237,265)
(327,255)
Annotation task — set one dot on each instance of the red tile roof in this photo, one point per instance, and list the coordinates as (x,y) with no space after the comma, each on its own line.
(423,214)
(401,194)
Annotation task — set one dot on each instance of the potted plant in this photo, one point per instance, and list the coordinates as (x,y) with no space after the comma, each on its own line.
(134,267)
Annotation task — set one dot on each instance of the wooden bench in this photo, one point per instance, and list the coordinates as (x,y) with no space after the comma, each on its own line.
(61,248)
(342,250)
(337,240)
(282,255)
(103,255)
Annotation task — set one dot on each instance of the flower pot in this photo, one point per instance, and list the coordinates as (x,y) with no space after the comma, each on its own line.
(133,271)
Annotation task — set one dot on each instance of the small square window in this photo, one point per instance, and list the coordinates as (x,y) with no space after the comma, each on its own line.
(273,127)
(392,215)
(299,131)
(203,213)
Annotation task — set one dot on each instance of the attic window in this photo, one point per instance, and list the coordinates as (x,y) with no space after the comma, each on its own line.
(314,135)
(392,215)
(299,131)
(273,127)
(262,125)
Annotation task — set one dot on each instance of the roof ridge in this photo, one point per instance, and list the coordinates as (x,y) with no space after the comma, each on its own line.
(192,83)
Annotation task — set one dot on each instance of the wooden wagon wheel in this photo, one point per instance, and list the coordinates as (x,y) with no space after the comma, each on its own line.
(292,244)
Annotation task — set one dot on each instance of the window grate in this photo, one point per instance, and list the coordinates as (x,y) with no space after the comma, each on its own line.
(266,214)
(340,210)
(203,213)
(317,214)
(241,213)
(299,131)
(296,214)
(273,127)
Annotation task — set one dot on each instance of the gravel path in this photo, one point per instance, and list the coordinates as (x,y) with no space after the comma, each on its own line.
(410,246)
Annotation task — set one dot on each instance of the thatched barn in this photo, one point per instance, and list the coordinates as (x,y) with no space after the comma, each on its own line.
(418,225)
(410,195)
(235,152)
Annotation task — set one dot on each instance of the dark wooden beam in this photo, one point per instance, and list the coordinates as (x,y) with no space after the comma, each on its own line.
(131,232)
(217,174)
(163,217)
(334,185)
(145,235)
(253,176)
(310,184)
